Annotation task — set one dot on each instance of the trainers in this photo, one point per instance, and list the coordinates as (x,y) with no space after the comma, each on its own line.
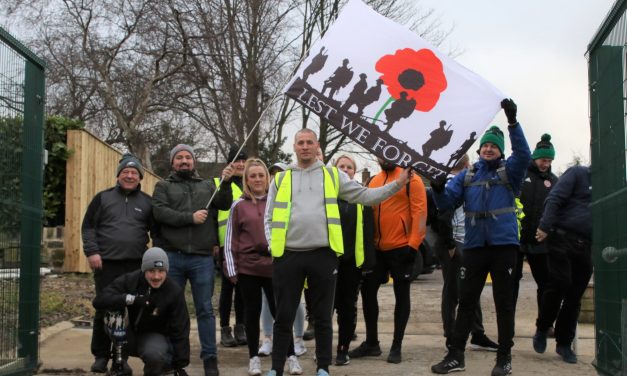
(239,332)
(322,372)
(211,367)
(341,357)
(266,347)
(293,366)
(365,350)
(503,365)
(567,354)
(226,337)
(299,346)
(551,332)
(394,356)
(539,342)
(254,366)
(450,363)
(482,342)
(100,365)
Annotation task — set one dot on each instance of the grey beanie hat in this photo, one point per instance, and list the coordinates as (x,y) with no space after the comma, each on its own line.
(155,257)
(181,147)
(129,160)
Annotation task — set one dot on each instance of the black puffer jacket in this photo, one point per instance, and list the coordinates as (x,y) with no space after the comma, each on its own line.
(534,190)
(167,313)
(174,202)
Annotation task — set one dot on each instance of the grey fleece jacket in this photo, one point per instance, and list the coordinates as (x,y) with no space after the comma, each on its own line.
(307,228)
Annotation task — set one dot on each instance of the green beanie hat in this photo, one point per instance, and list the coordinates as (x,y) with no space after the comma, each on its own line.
(129,160)
(544,148)
(495,136)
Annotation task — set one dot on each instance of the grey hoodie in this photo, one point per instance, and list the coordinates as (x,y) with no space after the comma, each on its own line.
(307,229)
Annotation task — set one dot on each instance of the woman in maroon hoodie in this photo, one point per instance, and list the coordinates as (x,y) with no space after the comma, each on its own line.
(248,261)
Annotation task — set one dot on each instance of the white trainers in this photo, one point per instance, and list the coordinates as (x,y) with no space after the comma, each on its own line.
(294,366)
(299,347)
(266,347)
(254,366)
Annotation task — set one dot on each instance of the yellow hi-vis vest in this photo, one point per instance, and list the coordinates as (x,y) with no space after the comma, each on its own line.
(223,215)
(520,214)
(283,205)
(359,236)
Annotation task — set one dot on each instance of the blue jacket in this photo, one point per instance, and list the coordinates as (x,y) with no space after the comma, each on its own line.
(568,204)
(502,229)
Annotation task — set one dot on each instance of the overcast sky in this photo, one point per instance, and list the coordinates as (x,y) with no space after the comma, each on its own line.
(533,51)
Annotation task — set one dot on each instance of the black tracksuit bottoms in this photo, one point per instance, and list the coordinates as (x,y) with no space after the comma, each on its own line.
(500,262)
(570,269)
(319,267)
(346,294)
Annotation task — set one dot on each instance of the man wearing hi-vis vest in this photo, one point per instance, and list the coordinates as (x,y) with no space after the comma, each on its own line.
(238,336)
(302,224)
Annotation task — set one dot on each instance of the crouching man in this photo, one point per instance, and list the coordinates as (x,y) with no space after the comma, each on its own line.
(158,321)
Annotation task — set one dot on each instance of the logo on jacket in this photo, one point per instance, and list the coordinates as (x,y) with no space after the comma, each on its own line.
(139,210)
(462,273)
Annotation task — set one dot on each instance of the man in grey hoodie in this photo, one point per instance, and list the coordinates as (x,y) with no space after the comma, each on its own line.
(303,229)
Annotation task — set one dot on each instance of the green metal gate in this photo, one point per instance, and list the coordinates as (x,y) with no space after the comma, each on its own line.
(608,108)
(22,96)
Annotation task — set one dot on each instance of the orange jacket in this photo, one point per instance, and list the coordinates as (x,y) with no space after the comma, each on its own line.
(401,219)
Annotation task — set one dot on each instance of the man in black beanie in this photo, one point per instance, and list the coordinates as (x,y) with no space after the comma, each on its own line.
(188,234)
(236,160)
(115,234)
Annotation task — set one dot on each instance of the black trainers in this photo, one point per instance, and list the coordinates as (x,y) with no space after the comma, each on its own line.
(342,358)
(482,342)
(211,367)
(395,356)
(503,365)
(239,332)
(226,337)
(539,342)
(567,354)
(452,362)
(365,350)
(100,365)
(309,332)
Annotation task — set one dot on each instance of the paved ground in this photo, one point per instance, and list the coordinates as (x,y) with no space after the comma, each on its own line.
(64,350)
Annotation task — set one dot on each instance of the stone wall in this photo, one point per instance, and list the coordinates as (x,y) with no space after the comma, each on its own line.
(52,250)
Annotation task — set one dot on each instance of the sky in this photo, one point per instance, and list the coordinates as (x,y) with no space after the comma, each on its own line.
(534,52)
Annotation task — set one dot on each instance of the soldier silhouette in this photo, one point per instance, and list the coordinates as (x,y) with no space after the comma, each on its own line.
(462,149)
(401,108)
(317,63)
(440,137)
(372,95)
(340,78)
(357,93)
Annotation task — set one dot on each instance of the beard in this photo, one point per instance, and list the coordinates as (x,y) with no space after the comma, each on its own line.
(387,166)
(185,173)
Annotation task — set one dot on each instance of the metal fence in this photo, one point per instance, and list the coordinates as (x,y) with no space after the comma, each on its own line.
(22,96)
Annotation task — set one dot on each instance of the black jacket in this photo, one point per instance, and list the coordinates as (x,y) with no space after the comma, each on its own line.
(348,219)
(535,189)
(567,207)
(167,313)
(117,223)
(174,202)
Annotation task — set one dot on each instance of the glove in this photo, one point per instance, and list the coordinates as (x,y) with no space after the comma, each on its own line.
(142,301)
(438,185)
(180,372)
(510,109)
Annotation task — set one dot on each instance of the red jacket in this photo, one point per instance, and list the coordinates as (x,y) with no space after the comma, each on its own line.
(245,244)
(401,219)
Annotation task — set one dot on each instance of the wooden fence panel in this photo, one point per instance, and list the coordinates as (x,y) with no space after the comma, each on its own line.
(89,170)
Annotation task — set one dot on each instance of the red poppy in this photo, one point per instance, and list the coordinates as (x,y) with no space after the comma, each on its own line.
(418,73)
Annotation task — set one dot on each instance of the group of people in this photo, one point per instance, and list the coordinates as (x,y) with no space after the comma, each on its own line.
(313,228)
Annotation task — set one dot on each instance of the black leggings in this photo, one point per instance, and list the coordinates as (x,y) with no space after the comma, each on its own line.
(226,301)
(346,292)
(251,287)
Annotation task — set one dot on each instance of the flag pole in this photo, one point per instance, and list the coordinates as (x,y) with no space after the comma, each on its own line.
(274,97)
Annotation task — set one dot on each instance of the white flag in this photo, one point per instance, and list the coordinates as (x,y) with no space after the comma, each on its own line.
(393,93)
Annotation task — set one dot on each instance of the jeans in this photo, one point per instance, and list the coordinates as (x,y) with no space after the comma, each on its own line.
(199,270)
(267,321)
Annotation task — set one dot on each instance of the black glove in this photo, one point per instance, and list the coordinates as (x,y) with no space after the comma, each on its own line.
(510,109)
(142,301)
(438,185)
(180,372)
